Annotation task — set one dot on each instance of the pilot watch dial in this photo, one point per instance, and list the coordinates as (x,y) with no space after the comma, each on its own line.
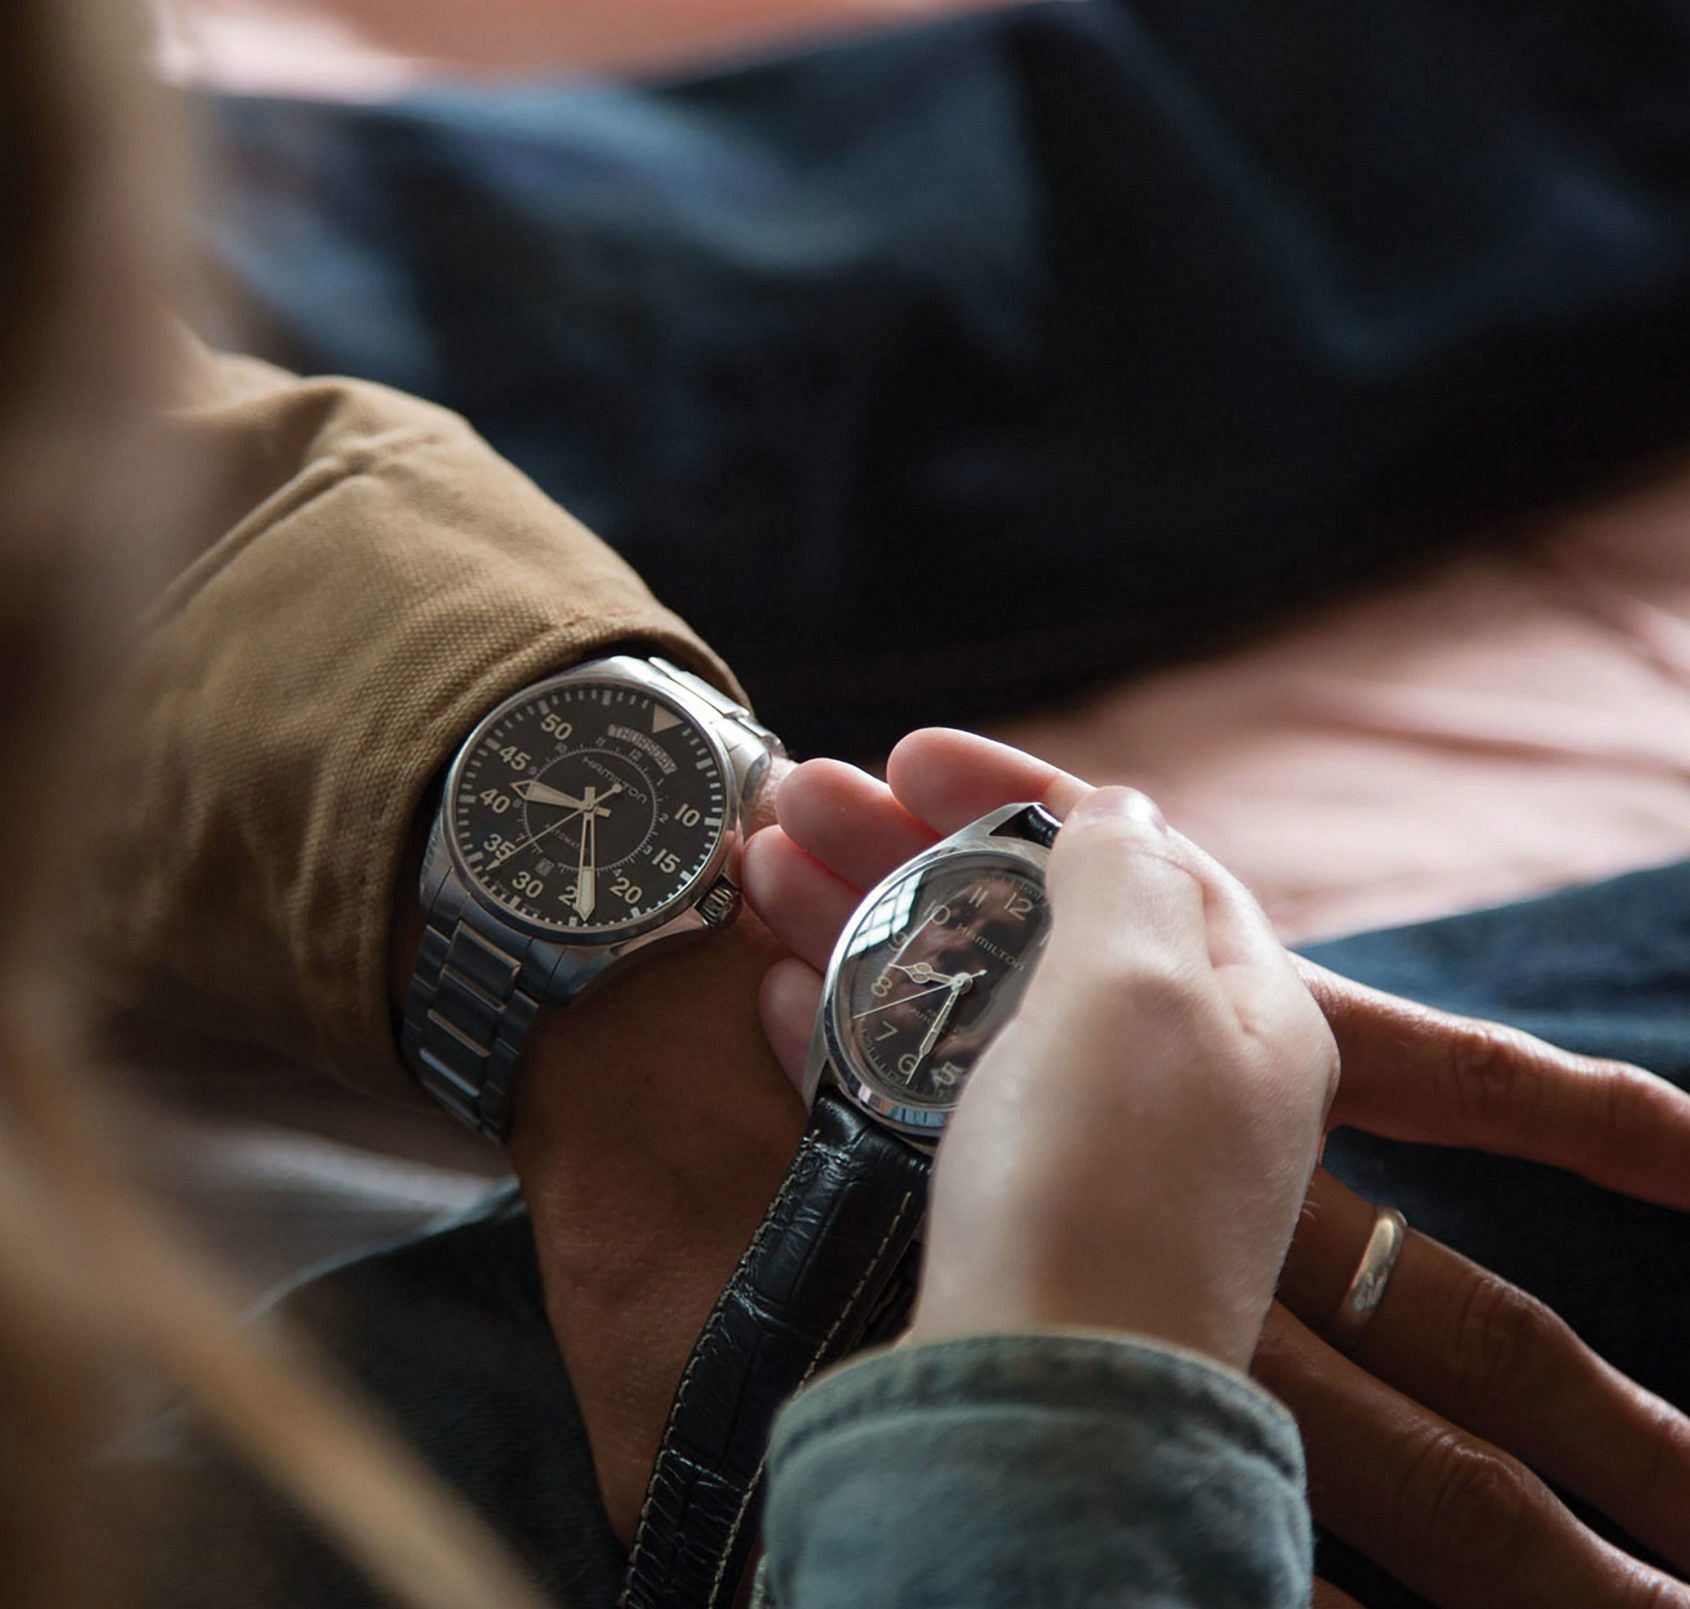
(929,971)
(587,808)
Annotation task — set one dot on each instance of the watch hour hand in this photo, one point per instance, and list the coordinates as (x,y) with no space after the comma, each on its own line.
(532,791)
(925,972)
(921,971)
(589,808)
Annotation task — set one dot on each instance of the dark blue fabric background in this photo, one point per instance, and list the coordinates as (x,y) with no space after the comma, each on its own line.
(931,374)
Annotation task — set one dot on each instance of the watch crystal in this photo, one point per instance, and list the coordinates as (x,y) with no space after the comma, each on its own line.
(933,968)
(587,807)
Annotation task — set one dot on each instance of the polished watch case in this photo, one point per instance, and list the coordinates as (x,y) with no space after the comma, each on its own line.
(1018,833)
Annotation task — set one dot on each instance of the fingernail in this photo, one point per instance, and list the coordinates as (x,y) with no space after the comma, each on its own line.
(1128,803)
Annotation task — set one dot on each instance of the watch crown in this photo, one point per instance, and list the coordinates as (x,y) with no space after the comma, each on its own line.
(721,904)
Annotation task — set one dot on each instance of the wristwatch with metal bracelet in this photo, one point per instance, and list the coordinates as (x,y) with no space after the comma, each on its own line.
(594,814)
(931,965)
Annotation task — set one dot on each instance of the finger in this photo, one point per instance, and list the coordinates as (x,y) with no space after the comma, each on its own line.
(1123,903)
(948,778)
(1415,1073)
(787,1002)
(1496,1361)
(804,905)
(1259,980)
(1454,1518)
(1327,1596)
(765,802)
(1256,971)
(849,821)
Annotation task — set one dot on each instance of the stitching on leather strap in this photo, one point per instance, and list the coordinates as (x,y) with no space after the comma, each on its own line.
(815,1363)
(710,1326)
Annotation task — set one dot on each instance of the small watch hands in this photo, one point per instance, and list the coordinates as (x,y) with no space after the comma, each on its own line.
(924,972)
(904,1000)
(956,982)
(539,792)
(959,983)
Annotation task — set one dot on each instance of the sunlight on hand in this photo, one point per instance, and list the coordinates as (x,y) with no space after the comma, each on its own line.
(368,49)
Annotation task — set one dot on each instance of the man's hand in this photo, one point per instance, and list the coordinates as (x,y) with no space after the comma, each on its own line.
(1418,1446)
(653,1129)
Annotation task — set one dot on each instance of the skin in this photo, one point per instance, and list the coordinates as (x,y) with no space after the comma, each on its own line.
(382,45)
(1066,1196)
(646,1185)
(1421,1447)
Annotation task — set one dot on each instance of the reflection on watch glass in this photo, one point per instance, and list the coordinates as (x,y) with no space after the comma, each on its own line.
(934,968)
(588,806)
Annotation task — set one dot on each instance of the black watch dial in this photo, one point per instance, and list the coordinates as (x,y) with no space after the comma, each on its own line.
(931,968)
(588,807)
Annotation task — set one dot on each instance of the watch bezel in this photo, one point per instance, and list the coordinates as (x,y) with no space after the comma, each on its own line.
(921,1121)
(615,672)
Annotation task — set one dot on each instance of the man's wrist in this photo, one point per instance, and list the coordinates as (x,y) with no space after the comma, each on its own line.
(653,1128)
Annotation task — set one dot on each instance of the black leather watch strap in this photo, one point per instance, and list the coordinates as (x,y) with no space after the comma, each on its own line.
(815,1278)
(1036,824)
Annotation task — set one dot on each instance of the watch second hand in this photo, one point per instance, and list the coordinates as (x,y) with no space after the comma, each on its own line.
(902,1000)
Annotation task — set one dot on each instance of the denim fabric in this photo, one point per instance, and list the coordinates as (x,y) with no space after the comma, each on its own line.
(1004,1471)
(447,1336)
(449,1332)
(929,374)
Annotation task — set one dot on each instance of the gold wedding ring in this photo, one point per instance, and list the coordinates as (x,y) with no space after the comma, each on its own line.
(1367,1285)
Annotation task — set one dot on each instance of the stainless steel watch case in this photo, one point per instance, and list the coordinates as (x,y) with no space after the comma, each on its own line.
(830,1062)
(743,750)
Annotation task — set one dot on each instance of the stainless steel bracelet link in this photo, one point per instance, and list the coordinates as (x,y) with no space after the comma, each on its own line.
(477,987)
(745,737)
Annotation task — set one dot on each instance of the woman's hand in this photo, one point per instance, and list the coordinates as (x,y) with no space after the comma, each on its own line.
(1418,1445)
(1068,1195)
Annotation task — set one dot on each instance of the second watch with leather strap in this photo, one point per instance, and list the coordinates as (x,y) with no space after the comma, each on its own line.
(931,965)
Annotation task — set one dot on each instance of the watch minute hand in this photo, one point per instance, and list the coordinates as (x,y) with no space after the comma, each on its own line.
(586,876)
(957,984)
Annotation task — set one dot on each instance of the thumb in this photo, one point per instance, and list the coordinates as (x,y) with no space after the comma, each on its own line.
(1124,902)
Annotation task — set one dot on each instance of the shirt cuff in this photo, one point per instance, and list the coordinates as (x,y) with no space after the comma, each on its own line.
(1007,1469)
(374,579)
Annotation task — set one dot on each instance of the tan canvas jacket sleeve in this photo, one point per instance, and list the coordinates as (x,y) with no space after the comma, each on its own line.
(372,578)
